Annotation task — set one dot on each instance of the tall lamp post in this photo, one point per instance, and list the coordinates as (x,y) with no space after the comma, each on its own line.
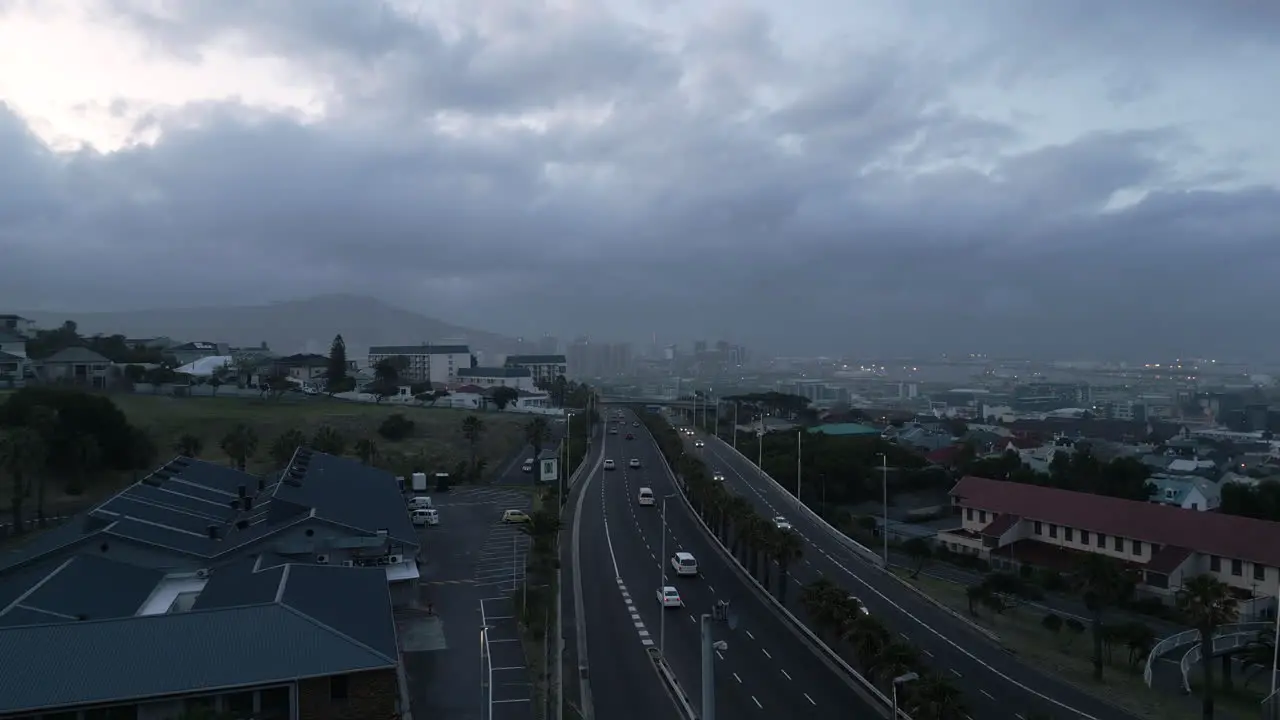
(884,521)
(735,424)
(662,571)
(799,465)
(901,680)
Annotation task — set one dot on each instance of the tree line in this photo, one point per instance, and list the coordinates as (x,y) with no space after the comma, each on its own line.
(768,553)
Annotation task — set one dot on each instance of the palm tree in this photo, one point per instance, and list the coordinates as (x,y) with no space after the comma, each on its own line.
(367,451)
(822,600)
(22,455)
(328,441)
(867,637)
(473,431)
(738,511)
(85,456)
(537,432)
(894,659)
(786,549)
(44,420)
(543,528)
(933,698)
(920,552)
(285,445)
(1208,604)
(189,446)
(1104,583)
(240,443)
(977,595)
(756,537)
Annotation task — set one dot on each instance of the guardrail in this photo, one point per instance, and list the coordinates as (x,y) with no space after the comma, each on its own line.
(1170,642)
(1222,642)
(865,552)
(815,642)
(672,683)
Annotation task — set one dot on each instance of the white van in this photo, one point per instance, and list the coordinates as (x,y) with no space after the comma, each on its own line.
(420,502)
(684,564)
(646,496)
(425,516)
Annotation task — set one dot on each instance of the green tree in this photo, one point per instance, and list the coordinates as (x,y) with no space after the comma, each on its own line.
(473,430)
(1207,604)
(240,443)
(86,459)
(367,451)
(537,433)
(329,441)
(504,396)
(189,446)
(285,445)
(920,552)
(1103,583)
(786,548)
(22,457)
(933,698)
(336,376)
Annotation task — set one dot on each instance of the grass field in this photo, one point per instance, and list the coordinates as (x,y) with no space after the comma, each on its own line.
(1020,631)
(436,443)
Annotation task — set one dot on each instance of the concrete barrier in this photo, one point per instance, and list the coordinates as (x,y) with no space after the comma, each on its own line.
(673,685)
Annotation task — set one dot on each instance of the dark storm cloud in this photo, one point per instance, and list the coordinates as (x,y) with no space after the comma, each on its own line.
(864,211)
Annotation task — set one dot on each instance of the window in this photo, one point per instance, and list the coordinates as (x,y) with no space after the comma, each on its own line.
(982,516)
(1102,541)
(338,687)
(1137,547)
(239,704)
(968,513)
(200,705)
(1215,563)
(1053,530)
(1067,533)
(1118,544)
(1039,528)
(1084,537)
(115,712)
(274,704)
(1259,572)
(1237,567)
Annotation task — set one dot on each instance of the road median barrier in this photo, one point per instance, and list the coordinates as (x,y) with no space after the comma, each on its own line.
(673,684)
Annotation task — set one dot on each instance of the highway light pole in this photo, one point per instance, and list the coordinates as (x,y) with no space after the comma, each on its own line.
(1275,652)
(901,680)
(799,465)
(662,574)
(884,521)
(736,405)
(708,671)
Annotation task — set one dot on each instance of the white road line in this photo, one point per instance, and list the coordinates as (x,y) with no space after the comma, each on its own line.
(785,675)
(904,636)
(956,672)
(766,653)
(806,697)
(748,632)
(984,692)
(757,702)
(735,677)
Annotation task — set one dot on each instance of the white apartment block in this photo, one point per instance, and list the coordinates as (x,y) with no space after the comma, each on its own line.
(426,363)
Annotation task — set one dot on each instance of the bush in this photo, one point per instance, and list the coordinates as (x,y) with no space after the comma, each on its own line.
(396,427)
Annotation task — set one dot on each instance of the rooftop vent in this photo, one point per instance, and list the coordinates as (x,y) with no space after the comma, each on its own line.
(242,524)
(180,462)
(242,491)
(262,484)
(213,532)
(247,503)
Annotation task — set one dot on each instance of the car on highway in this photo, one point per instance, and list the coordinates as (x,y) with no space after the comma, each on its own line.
(717,476)
(782,524)
(427,516)
(645,497)
(515,516)
(857,601)
(699,443)
(684,563)
(609,465)
(613,431)
(635,424)
(635,463)
(630,436)
(528,466)
(669,597)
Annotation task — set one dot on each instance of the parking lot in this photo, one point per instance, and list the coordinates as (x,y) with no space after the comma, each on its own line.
(471,563)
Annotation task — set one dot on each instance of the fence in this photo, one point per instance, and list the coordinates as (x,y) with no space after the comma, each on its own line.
(1176,640)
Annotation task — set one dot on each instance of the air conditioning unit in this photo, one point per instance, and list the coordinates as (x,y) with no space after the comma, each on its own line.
(322,559)
(393,559)
(202,573)
(348,563)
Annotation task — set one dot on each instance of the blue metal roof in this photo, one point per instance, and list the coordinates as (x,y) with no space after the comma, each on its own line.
(347,492)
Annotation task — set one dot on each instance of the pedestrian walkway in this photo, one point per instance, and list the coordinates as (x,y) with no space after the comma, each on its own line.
(508,688)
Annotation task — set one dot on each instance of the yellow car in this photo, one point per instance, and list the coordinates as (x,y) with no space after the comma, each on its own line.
(514,516)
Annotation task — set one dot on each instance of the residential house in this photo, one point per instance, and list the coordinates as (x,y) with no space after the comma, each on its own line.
(425,363)
(544,368)
(78,366)
(922,437)
(486,377)
(845,430)
(474,397)
(1125,431)
(152,343)
(12,344)
(303,367)
(17,325)
(13,370)
(1015,524)
(1186,492)
(252,639)
(187,353)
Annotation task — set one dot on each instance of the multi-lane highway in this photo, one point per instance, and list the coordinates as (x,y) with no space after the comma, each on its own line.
(766,671)
(997,683)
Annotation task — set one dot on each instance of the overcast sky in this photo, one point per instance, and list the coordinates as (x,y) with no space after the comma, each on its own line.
(1006,176)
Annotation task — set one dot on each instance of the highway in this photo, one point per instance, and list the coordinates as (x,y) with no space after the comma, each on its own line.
(766,671)
(998,685)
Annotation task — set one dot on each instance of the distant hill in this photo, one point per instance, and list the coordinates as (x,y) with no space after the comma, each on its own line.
(287,327)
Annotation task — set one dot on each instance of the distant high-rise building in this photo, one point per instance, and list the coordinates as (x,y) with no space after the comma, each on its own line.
(591,359)
(700,347)
(548,344)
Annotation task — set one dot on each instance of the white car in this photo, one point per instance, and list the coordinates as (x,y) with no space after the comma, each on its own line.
(634,464)
(608,465)
(858,602)
(669,597)
(782,524)
(699,443)
(684,563)
(718,477)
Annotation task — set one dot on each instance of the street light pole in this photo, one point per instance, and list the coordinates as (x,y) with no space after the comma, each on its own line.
(884,522)
(901,680)
(799,465)
(708,671)
(736,405)
(1275,650)
(662,582)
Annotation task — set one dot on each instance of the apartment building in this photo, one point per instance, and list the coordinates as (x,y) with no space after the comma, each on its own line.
(426,363)
(1015,524)
(543,368)
(491,377)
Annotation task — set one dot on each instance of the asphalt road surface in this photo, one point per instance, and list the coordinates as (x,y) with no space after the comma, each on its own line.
(766,671)
(998,685)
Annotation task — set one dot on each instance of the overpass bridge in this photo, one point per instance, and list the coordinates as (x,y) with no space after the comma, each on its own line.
(663,401)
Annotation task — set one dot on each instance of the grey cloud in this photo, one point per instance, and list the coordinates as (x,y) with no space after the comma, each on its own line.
(903,225)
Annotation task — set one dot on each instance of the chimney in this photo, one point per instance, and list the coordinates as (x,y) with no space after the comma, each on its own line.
(242,490)
(262,484)
(213,532)
(248,504)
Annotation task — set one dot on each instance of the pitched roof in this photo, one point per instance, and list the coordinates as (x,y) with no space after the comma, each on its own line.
(10,357)
(535,360)
(7,337)
(1209,533)
(76,355)
(347,492)
(494,372)
(469,389)
(420,350)
(845,429)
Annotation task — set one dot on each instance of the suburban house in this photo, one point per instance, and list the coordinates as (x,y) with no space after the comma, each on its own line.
(1012,524)
(544,368)
(12,344)
(17,325)
(13,369)
(1188,493)
(187,353)
(474,397)
(491,377)
(425,363)
(845,430)
(77,366)
(303,366)
(1125,431)
(152,343)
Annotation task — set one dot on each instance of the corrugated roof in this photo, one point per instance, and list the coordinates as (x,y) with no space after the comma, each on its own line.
(78,663)
(77,355)
(845,429)
(90,587)
(347,492)
(1208,533)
